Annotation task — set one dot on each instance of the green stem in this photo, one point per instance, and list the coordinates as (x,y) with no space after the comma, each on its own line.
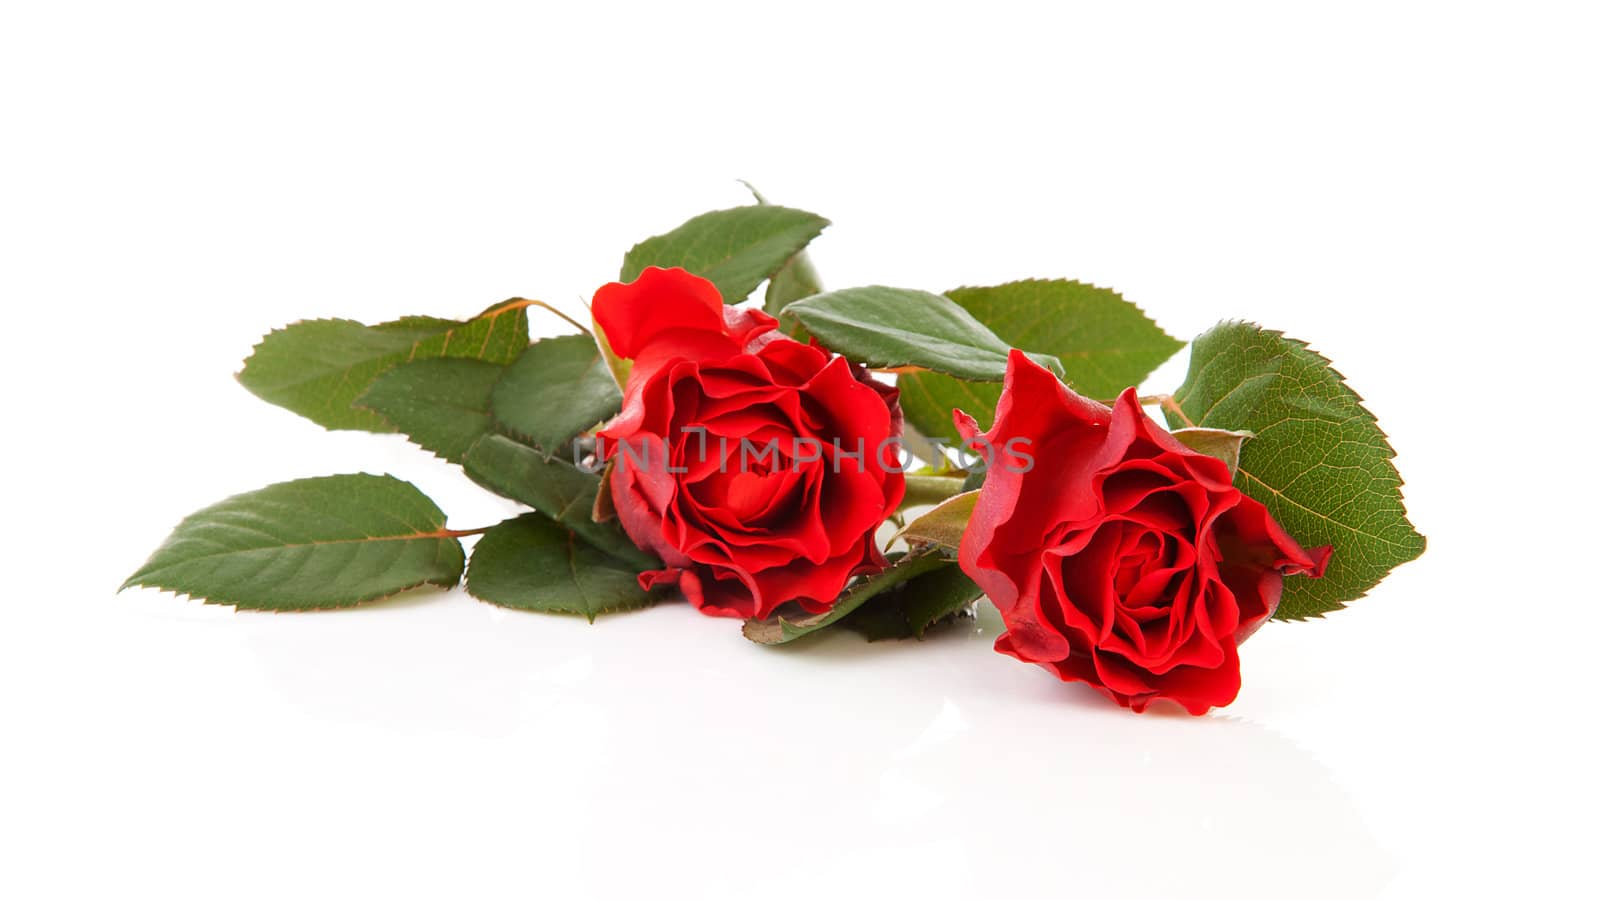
(927,490)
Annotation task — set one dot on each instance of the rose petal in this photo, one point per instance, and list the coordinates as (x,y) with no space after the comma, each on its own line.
(636,314)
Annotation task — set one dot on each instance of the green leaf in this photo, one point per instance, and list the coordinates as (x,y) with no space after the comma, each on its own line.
(1224,445)
(533,563)
(778,630)
(943,525)
(554,487)
(556,390)
(1104,343)
(798,277)
(913,608)
(316,543)
(440,404)
(319,368)
(620,368)
(1318,460)
(927,398)
(891,328)
(736,249)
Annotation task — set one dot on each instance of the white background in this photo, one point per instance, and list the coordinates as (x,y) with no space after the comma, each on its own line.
(1412,187)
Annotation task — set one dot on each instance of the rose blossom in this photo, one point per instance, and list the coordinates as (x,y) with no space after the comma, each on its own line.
(1121,558)
(748,462)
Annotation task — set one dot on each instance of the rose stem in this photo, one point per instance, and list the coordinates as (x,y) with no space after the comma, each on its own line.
(926,490)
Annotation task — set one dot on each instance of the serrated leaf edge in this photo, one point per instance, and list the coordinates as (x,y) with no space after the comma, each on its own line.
(1389,454)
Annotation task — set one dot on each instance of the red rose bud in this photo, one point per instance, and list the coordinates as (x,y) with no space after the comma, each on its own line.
(1120,557)
(757,468)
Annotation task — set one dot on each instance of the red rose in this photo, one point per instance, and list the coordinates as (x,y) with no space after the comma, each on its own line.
(1120,558)
(756,467)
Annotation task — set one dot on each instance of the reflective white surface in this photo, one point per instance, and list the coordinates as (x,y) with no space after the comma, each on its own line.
(1411,186)
(436,744)
(445,743)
